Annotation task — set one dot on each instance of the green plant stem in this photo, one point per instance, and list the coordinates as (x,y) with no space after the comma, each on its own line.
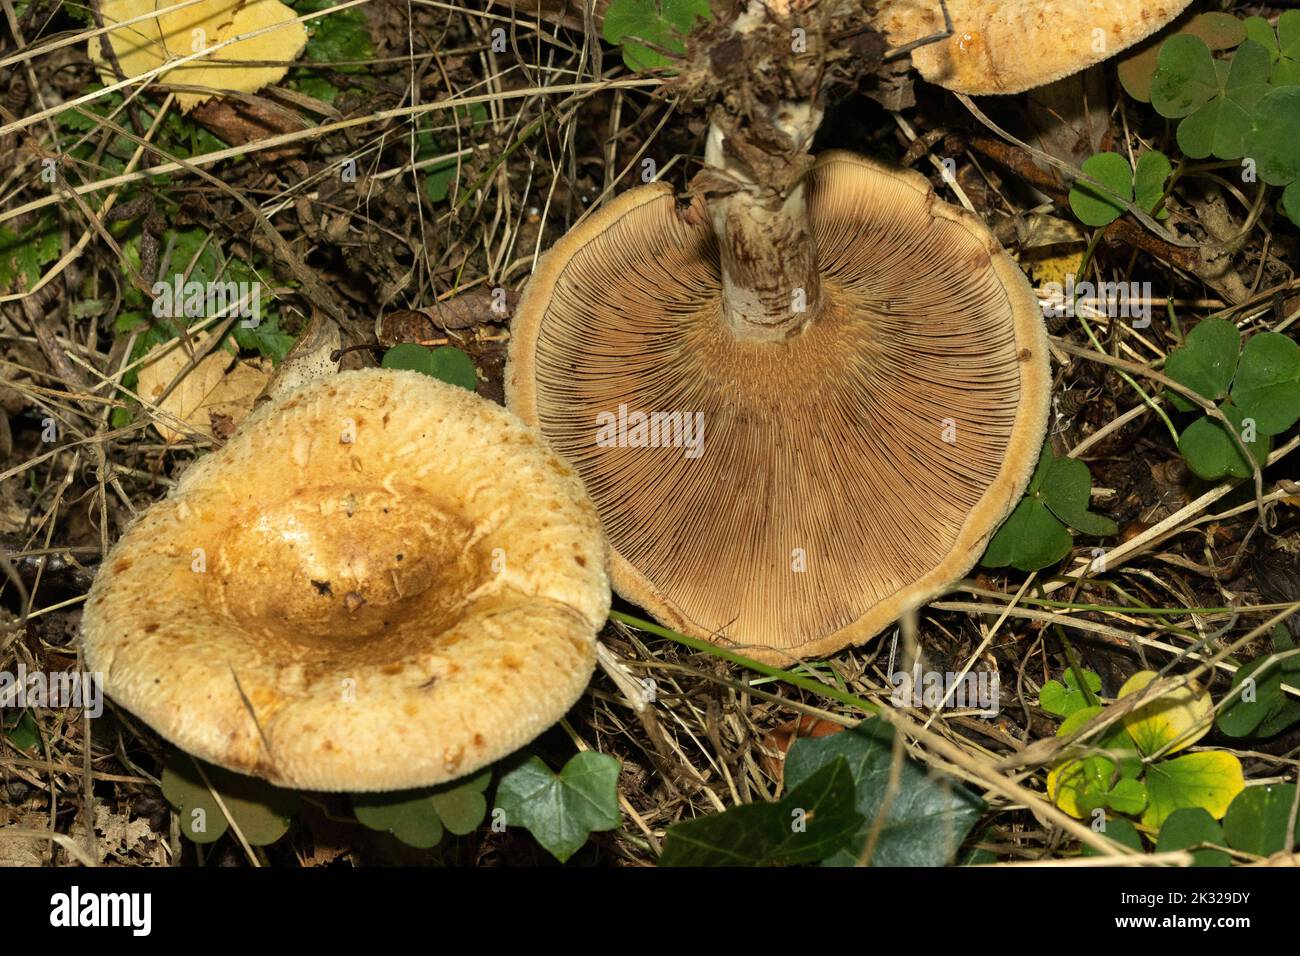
(694,643)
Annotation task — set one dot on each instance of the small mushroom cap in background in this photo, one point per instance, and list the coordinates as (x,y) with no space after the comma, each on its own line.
(1008,46)
(380,582)
(843,476)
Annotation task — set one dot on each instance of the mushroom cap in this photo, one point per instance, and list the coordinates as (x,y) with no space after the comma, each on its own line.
(1008,46)
(380,582)
(826,500)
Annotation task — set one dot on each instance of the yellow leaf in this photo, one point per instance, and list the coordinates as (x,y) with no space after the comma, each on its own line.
(1065,782)
(210,388)
(176,33)
(1175,720)
(1210,779)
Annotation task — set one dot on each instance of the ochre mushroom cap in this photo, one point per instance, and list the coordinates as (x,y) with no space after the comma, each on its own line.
(825,500)
(1008,46)
(380,582)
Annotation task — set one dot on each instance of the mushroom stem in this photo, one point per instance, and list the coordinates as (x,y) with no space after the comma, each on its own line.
(771,287)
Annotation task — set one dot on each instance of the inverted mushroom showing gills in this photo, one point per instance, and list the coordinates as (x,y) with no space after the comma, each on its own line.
(380,582)
(788,486)
(1009,46)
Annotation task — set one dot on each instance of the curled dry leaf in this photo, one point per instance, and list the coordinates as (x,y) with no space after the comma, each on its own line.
(211,398)
(781,738)
(422,326)
(152,42)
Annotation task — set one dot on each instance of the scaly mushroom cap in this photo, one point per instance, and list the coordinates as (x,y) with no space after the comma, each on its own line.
(1008,46)
(380,582)
(845,475)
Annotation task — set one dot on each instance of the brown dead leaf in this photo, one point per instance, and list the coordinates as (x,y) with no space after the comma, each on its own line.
(218,385)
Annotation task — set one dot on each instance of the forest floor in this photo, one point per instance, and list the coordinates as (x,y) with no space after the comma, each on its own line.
(383,210)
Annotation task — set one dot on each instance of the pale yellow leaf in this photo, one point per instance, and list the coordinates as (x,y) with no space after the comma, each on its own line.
(177,33)
(1176,719)
(212,387)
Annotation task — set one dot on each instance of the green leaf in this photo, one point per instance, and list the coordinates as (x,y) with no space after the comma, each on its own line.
(1246,711)
(1220,31)
(1185,78)
(659,22)
(266,338)
(1206,363)
(418,817)
(21,731)
(813,821)
(438,180)
(1213,454)
(1028,540)
(1121,831)
(1209,779)
(445,363)
(1283,47)
(337,37)
(1256,822)
(1272,139)
(408,815)
(262,812)
(561,811)
(928,816)
(1063,699)
(1194,827)
(23,256)
(1149,178)
(1067,491)
(1127,796)
(1267,386)
(1096,207)
(1221,126)
(1291,202)
(461,804)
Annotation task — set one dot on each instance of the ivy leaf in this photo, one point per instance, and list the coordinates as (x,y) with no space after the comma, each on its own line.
(562,810)
(1206,363)
(926,816)
(1213,454)
(1267,386)
(811,822)
(660,22)
(262,812)
(445,363)
(1194,827)
(1209,779)
(1258,818)
(1101,207)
